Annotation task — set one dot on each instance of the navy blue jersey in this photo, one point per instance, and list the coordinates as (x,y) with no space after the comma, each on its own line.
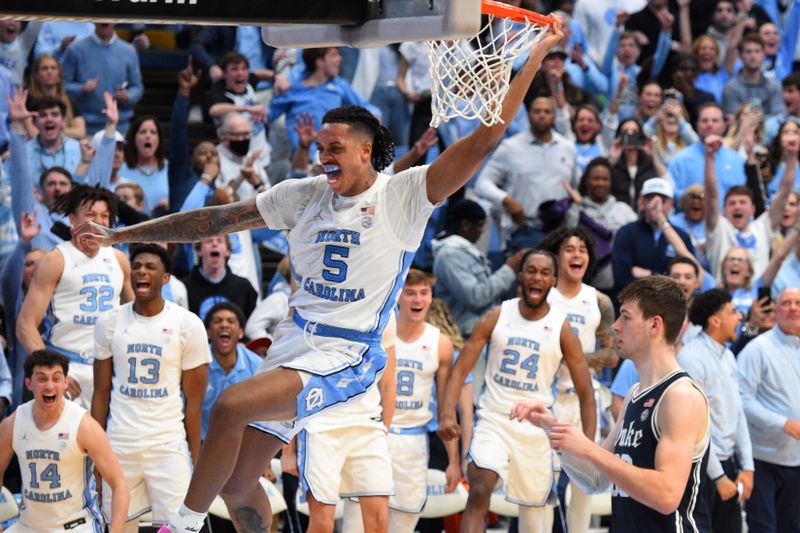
(636,444)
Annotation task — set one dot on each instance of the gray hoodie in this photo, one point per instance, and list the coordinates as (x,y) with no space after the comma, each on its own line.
(465,280)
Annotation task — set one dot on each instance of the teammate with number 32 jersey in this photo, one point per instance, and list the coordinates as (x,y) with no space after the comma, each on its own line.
(75,284)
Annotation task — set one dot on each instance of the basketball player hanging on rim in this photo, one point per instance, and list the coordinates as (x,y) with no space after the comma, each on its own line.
(655,457)
(353,233)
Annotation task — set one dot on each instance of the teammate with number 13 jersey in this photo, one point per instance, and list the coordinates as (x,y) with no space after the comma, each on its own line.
(156,355)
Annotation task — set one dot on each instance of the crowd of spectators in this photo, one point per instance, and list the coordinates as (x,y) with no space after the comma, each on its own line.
(670,131)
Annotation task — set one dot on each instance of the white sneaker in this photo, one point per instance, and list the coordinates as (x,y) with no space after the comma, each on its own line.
(182,524)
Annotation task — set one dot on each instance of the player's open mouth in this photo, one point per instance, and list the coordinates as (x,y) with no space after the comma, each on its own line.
(333,172)
(417,309)
(147,145)
(576,268)
(535,293)
(142,285)
(215,254)
(49,398)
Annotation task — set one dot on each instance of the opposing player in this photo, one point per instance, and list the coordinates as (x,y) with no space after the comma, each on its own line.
(655,458)
(56,443)
(353,233)
(150,375)
(424,356)
(590,314)
(74,285)
(528,339)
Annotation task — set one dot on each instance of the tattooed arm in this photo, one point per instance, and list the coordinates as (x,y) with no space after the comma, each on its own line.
(187,226)
(606,355)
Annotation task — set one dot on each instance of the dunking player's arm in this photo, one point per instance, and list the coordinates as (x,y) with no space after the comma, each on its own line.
(660,488)
(481,333)
(453,471)
(579,372)
(451,170)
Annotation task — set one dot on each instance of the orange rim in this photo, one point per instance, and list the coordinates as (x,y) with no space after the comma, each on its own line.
(499,9)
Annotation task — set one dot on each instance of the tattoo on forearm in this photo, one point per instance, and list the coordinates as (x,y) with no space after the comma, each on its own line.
(248,520)
(605,333)
(196,225)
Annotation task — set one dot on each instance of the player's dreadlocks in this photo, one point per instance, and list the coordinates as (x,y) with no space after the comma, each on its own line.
(361,119)
(68,203)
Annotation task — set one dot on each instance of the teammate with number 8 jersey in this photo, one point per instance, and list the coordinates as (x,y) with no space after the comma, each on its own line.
(76,283)
(423,355)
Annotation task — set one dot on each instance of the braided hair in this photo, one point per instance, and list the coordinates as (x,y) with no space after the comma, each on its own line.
(69,203)
(362,120)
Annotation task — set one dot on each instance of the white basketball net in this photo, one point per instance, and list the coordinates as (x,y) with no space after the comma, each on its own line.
(472,83)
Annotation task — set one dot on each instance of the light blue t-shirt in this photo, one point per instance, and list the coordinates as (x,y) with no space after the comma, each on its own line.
(247,362)
(154,182)
(627,376)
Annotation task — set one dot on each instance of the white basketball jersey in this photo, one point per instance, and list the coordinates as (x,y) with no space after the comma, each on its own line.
(149,354)
(349,255)
(583,314)
(58,487)
(524,356)
(417,363)
(88,288)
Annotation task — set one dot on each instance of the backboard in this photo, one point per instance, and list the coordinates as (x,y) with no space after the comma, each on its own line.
(286,23)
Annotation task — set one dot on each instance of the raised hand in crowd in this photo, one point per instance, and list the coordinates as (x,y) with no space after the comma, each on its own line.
(110,110)
(188,79)
(88,151)
(426,141)
(577,56)
(621,17)
(29,228)
(17,111)
(65,42)
(713,144)
(306,133)
(762,316)
(210,170)
(248,173)
(666,19)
